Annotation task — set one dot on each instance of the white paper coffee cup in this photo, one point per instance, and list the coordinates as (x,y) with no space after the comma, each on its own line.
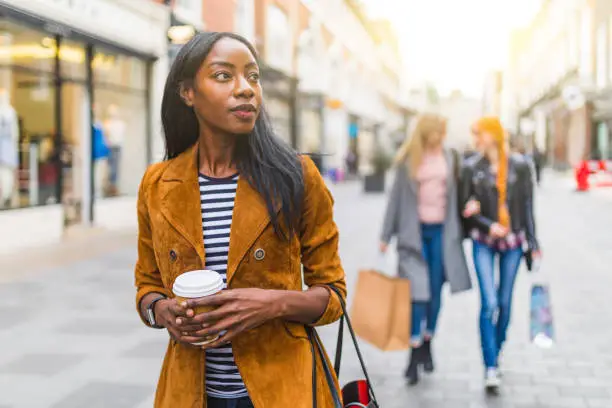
(197,284)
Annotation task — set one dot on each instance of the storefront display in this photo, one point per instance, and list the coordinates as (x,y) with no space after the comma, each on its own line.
(95,96)
(120,104)
(9,150)
(73,71)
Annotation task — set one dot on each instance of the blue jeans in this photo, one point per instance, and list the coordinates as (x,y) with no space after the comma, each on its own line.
(496,303)
(114,159)
(426,313)
(229,403)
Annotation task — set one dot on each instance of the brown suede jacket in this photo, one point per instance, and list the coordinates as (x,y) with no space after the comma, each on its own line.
(275,359)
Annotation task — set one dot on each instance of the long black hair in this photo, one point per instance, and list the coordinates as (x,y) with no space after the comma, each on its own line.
(270,166)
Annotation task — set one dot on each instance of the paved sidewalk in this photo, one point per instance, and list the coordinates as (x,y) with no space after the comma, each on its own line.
(71,337)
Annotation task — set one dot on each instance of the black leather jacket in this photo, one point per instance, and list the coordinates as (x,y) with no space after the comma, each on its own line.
(478,183)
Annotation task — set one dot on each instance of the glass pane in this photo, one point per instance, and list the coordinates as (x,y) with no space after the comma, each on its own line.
(25,47)
(28,157)
(73,60)
(76,131)
(111,68)
(121,121)
(280,115)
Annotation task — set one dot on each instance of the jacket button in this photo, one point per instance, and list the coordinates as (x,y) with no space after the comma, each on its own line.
(173,255)
(260,254)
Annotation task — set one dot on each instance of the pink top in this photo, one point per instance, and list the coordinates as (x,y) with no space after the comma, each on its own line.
(431,179)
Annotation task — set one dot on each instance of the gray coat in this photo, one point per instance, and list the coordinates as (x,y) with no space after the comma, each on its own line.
(402,221)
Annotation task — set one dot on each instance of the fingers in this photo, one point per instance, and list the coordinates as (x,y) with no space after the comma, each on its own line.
(189,328)
(211,301)
(175,308)
(213,316)
(192,339)
(189,339)
(223,340)
(213,330)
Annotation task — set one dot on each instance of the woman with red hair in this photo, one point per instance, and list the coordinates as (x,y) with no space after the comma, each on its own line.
(503,185)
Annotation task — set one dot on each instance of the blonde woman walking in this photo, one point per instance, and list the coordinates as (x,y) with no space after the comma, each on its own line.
(423,215)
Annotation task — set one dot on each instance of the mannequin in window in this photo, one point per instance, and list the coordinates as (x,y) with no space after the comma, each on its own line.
(9,149)
(114,129)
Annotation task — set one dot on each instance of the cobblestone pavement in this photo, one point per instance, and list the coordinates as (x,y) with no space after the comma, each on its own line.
(70,337)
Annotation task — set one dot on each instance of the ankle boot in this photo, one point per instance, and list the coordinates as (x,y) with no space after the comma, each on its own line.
(412,371)
(428,364)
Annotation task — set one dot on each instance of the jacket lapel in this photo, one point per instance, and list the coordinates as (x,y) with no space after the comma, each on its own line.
(248,222)
(181,206)
(181,199)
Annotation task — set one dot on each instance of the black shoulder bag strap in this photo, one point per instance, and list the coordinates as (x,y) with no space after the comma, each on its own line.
(317,348)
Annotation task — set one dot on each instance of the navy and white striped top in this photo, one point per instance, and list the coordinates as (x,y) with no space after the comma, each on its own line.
(217,203)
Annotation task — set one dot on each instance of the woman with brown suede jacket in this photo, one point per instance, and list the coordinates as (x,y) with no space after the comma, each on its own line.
(232,198)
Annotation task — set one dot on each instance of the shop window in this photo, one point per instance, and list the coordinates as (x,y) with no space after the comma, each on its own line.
(28,154)
(280,115)
(26,48)
(245,19)
(73,60)
(609,49)
(279,47)
(120,123)
(602,56)
(586,60)
(29,171)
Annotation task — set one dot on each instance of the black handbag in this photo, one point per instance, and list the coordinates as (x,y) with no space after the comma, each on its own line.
(358,394)
(528,255)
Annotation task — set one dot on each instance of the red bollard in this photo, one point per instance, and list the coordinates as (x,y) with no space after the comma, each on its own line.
(582,176)
(601,165)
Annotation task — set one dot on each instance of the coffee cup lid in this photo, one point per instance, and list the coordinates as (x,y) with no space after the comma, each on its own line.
(197,284)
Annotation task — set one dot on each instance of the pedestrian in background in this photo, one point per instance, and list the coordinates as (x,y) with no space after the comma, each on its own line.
(423,214)
(503,185)
(538,162)
(233,198)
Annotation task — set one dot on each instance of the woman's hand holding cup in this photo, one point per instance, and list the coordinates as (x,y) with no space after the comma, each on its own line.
(230,313)
(170,314)
(188,287)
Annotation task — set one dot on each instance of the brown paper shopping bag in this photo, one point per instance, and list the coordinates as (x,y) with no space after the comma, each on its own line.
(381,310)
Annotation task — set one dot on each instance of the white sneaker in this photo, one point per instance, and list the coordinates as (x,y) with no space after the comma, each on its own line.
(499,371)
(492,379)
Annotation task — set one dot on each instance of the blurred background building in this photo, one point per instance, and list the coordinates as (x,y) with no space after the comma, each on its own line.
(556,89)
(70,72)
(76,72)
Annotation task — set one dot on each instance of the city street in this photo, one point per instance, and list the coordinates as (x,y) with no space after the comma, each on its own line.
(70,336)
